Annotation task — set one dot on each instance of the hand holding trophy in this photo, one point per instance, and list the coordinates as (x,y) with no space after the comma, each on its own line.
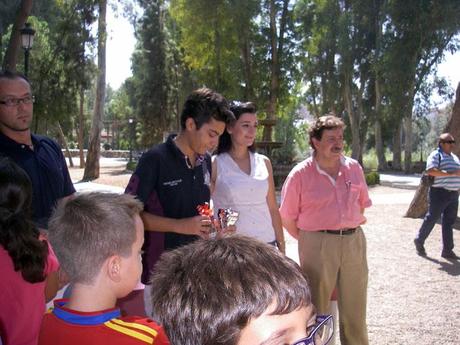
(224,223)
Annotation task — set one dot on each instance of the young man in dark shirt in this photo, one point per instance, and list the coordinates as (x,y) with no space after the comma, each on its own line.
(173,178)
(39,156)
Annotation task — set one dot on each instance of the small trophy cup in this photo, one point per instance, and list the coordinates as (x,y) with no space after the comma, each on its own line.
(225,216)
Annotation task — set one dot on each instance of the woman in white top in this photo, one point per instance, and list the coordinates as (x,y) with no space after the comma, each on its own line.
(243,179)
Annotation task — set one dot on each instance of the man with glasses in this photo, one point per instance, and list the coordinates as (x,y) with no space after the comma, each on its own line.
(323,202)
(38,155)
(173,178)
(444,165)
(235,290)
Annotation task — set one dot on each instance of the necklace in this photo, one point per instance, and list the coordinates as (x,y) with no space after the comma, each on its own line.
(188,162)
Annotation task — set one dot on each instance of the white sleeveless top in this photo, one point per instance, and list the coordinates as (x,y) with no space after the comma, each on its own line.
(246,194)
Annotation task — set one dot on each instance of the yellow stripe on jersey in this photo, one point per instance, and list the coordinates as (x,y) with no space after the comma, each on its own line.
(136,325)
(130,332)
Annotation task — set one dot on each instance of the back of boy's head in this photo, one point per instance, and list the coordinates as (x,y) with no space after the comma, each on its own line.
(206,292)
(202,105)
(91,227)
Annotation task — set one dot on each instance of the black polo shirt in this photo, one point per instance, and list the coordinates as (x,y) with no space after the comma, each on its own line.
(47,170)
(169,188)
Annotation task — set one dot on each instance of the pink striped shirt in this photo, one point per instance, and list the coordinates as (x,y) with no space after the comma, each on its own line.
(318,202)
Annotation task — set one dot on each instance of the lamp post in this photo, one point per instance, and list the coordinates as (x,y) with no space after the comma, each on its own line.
(131,138)
(27,38)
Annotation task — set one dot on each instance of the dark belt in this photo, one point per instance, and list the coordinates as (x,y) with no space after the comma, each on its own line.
(340,231)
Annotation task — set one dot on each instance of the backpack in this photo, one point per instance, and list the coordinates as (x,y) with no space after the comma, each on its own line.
(428,180)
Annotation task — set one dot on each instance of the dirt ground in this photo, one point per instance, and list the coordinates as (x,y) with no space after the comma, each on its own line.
(411,300)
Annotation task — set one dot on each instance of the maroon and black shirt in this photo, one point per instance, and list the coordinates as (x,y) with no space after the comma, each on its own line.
(168,187)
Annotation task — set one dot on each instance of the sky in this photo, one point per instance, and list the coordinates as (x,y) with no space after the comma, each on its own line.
(121,41)
(450,69)
(120,46)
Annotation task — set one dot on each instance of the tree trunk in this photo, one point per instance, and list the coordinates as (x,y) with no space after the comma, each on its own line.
(379,149)
(12,52)
(419,204)
(453,126)
(408,142)
(276,42)
(220,82)
(360,116)
(64,143)
(354,116)
(94,149)
(245,48)
(81,128)
(397,148)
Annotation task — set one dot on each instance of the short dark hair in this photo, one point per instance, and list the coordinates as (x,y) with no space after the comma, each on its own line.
(328,121)
(206,292)
(5,74)
(202,105)
(89,228)
(237,108)
(18,235)
(443,137)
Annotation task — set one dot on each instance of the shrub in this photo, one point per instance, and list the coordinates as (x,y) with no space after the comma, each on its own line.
(131,166)
(372,178)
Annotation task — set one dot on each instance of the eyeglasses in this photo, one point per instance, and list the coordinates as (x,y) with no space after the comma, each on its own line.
(319,334)
(448,142)
(14,102)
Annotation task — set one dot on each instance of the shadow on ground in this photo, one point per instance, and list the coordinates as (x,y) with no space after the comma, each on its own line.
(452,267)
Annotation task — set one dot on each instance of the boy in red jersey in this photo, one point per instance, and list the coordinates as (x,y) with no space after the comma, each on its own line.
(98,239)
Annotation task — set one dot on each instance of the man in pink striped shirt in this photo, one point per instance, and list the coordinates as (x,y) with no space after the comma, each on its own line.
(323,202)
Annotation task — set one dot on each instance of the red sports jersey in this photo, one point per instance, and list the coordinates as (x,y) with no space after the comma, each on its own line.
(64,326)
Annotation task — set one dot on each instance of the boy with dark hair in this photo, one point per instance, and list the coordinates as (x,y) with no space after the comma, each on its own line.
(235,291)
(173,178)
(98,239)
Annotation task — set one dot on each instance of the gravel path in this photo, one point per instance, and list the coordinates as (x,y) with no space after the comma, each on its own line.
(411,300)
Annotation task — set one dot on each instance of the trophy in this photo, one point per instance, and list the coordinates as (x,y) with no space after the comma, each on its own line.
(225,216)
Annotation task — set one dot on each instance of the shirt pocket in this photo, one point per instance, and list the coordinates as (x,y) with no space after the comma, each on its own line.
(316,198)
(354,192)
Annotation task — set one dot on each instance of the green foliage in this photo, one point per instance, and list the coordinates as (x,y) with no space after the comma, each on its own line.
(210,39)
(131,166)
(59,64)
(372,178)
(291,130)
(118,112)
(150,90)
(334,55)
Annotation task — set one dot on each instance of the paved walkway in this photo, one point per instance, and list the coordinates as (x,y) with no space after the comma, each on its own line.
(402,181)
(93,187)
(395,180)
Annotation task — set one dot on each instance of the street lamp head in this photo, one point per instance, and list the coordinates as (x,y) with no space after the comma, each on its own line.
(27,36)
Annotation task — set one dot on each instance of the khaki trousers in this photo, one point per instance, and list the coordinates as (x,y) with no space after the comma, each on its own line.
(329,260)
